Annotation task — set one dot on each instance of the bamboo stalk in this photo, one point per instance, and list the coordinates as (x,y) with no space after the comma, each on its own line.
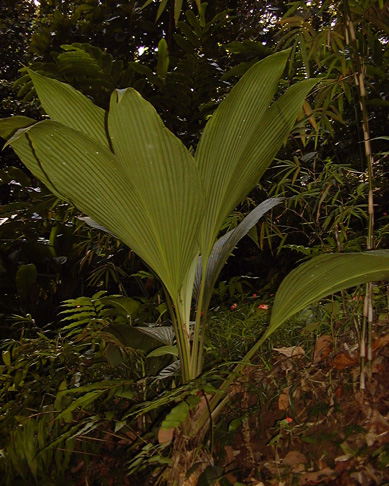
(359,76)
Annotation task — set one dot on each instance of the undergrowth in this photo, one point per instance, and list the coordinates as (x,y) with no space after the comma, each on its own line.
(84,405)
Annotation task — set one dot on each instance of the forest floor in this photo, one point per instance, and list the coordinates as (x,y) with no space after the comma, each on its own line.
(306,421)
(297,417)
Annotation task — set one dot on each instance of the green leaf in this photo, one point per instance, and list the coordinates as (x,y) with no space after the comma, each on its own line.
(163,59)
(26,280)
(163,351)
(249,48)
(6,357)
(21,143)
(163,334)
(167,182)
(113,355)
(93,224)
(100,385)
(130,337)
(210,476)
(161,8)
(82,428)
(83,401)
(169,371)
(150,186)
(224,246)
(146,4)
(124,306)
(68,106)
(177,9)
(202,8)
(9,126)
(125,392)
(322,276)
(242,138)
(176,416)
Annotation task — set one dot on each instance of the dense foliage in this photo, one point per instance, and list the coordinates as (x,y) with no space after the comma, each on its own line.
(90,381)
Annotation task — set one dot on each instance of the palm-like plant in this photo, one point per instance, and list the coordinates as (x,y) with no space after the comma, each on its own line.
(132,176)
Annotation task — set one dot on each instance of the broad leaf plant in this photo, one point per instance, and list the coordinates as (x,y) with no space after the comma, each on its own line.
(132,176)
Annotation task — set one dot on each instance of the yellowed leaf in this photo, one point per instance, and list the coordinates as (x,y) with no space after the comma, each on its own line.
(291,351)
(308,111)
(201,406)
(283,399)
(293,458)
(191,481)
(322,349)
(343,361)
(343,458)
(229,453)
(165,435)
(378,432)
(380,343)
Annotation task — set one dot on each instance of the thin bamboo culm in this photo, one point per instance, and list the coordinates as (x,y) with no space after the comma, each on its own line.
(359,75)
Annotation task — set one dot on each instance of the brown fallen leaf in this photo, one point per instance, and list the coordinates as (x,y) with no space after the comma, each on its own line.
(283,399)
(378,431)
(322,349)
(201,406)
(231,478)
(343,458)
(191,481)
(165,435)
(229,454)
(361,478)
(380,343)
(343,361)
(296,460)
(322,475)
(291,351)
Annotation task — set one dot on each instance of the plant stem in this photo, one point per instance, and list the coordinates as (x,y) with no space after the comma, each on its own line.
(218,401)
(198,345)
(360,83)
(183,344)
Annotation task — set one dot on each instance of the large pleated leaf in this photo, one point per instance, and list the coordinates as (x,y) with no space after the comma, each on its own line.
(22,144)
(89,221)
(9,126)
(163,334)
(70,107)
(166,179)
(224,246)
(148,194)
(325,275)
(79,169)
(312,281)
(96,181)
(242,138)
